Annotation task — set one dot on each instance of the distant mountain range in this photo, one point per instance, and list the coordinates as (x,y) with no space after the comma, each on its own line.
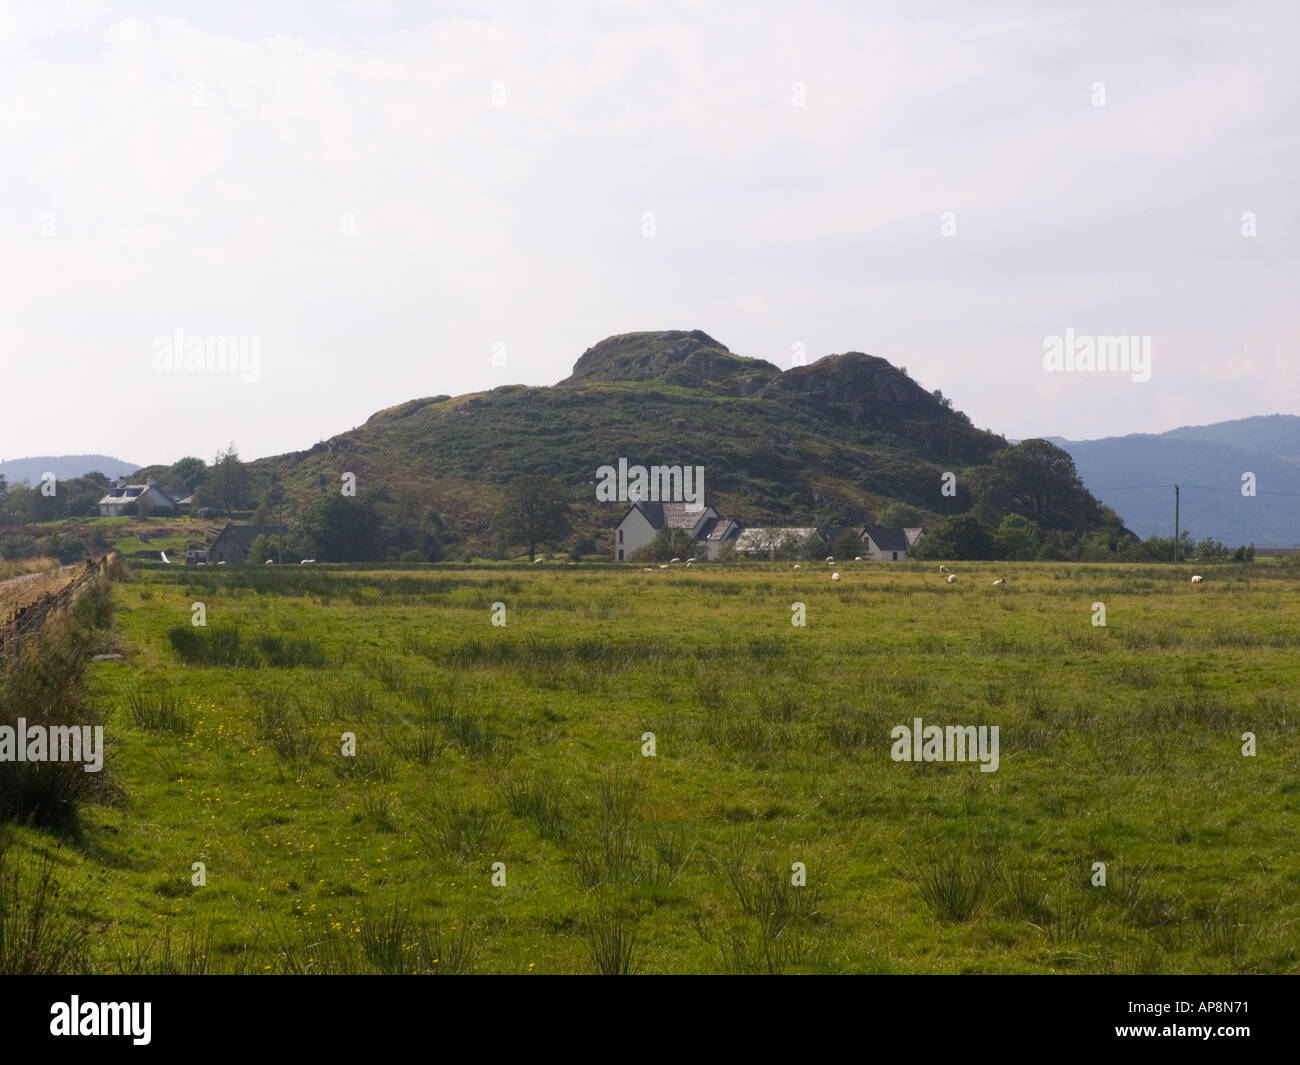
(64,467)
(1135,475)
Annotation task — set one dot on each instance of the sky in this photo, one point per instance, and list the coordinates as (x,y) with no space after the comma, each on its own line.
(382,201)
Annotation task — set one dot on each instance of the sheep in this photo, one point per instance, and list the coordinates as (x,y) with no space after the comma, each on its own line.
(306,562)
(165,558)
(537,561)
(944,569)
(797,566)
(952,578)
(1196,579)
(1000,580)
(269,562)
(830,559)
(672,560)
(647,570)
(664,566)
(857,558)
(690,561)
(835,576)
(222,562)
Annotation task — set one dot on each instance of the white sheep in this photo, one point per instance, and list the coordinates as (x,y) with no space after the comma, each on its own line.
(944,569)
(797,566)
(690,561)
(307,562)
(269,562)
(1196,580)
(537,561)
(672,560)
(952,578)
(1000,581)
(835,576)
(165,558)
(830,559)
(857,558)
(664,566)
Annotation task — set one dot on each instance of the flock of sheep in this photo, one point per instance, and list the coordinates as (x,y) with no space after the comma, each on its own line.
(830,561)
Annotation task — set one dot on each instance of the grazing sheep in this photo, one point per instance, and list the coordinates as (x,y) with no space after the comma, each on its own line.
(222,562)
(835,576)
(307,562)
(648,570)
(952,578)
(672,560)
(165,558)
(269,562)
(1000,581)
(690,561)
(797,566)
(857,558)
(664,566)
(537,561)
(1196,580)
(830,559)
(944,569)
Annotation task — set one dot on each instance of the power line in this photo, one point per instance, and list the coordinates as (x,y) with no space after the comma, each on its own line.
(1203,487)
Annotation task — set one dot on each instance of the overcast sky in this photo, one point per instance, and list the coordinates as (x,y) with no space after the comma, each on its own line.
(381,195)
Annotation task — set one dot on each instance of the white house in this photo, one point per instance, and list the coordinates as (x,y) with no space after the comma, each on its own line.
(147,497)
(888,545)
(643,521)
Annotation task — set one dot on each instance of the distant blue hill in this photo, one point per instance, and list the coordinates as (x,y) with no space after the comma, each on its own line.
(1135,474)
(64,467)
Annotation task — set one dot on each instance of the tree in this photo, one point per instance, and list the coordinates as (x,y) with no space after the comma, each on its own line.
(1017,539)
(189,471)
(900,516)
(1037,480)
(339,529)
(534,512)
(667,544)
(847,545)
(1211,550)
(263,549)
(961,538)
(228,482)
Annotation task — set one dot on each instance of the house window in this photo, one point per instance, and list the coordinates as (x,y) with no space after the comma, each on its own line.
(620,536)
(620,554)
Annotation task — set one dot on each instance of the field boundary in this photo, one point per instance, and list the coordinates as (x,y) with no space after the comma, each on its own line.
(27,620)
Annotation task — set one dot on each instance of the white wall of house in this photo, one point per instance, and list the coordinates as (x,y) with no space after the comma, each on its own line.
(151,499)
(872,552)
(632,533)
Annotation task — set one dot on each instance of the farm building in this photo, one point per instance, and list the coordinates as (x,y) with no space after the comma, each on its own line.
(233,542)
(148,498)
(643,521)
(888,545)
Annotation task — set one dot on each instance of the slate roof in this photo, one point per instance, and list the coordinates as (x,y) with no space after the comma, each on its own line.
(126,493)
(672,515)
(888,539)
(244,535)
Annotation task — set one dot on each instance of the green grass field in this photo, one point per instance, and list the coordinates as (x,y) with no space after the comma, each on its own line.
(522,744)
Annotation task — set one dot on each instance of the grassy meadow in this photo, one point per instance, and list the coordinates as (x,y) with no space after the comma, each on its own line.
(522,744)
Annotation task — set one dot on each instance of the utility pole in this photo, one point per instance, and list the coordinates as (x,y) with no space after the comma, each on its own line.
(1176,523)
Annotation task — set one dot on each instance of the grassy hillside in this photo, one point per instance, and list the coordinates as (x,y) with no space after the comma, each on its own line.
(829,442)
(522,744)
